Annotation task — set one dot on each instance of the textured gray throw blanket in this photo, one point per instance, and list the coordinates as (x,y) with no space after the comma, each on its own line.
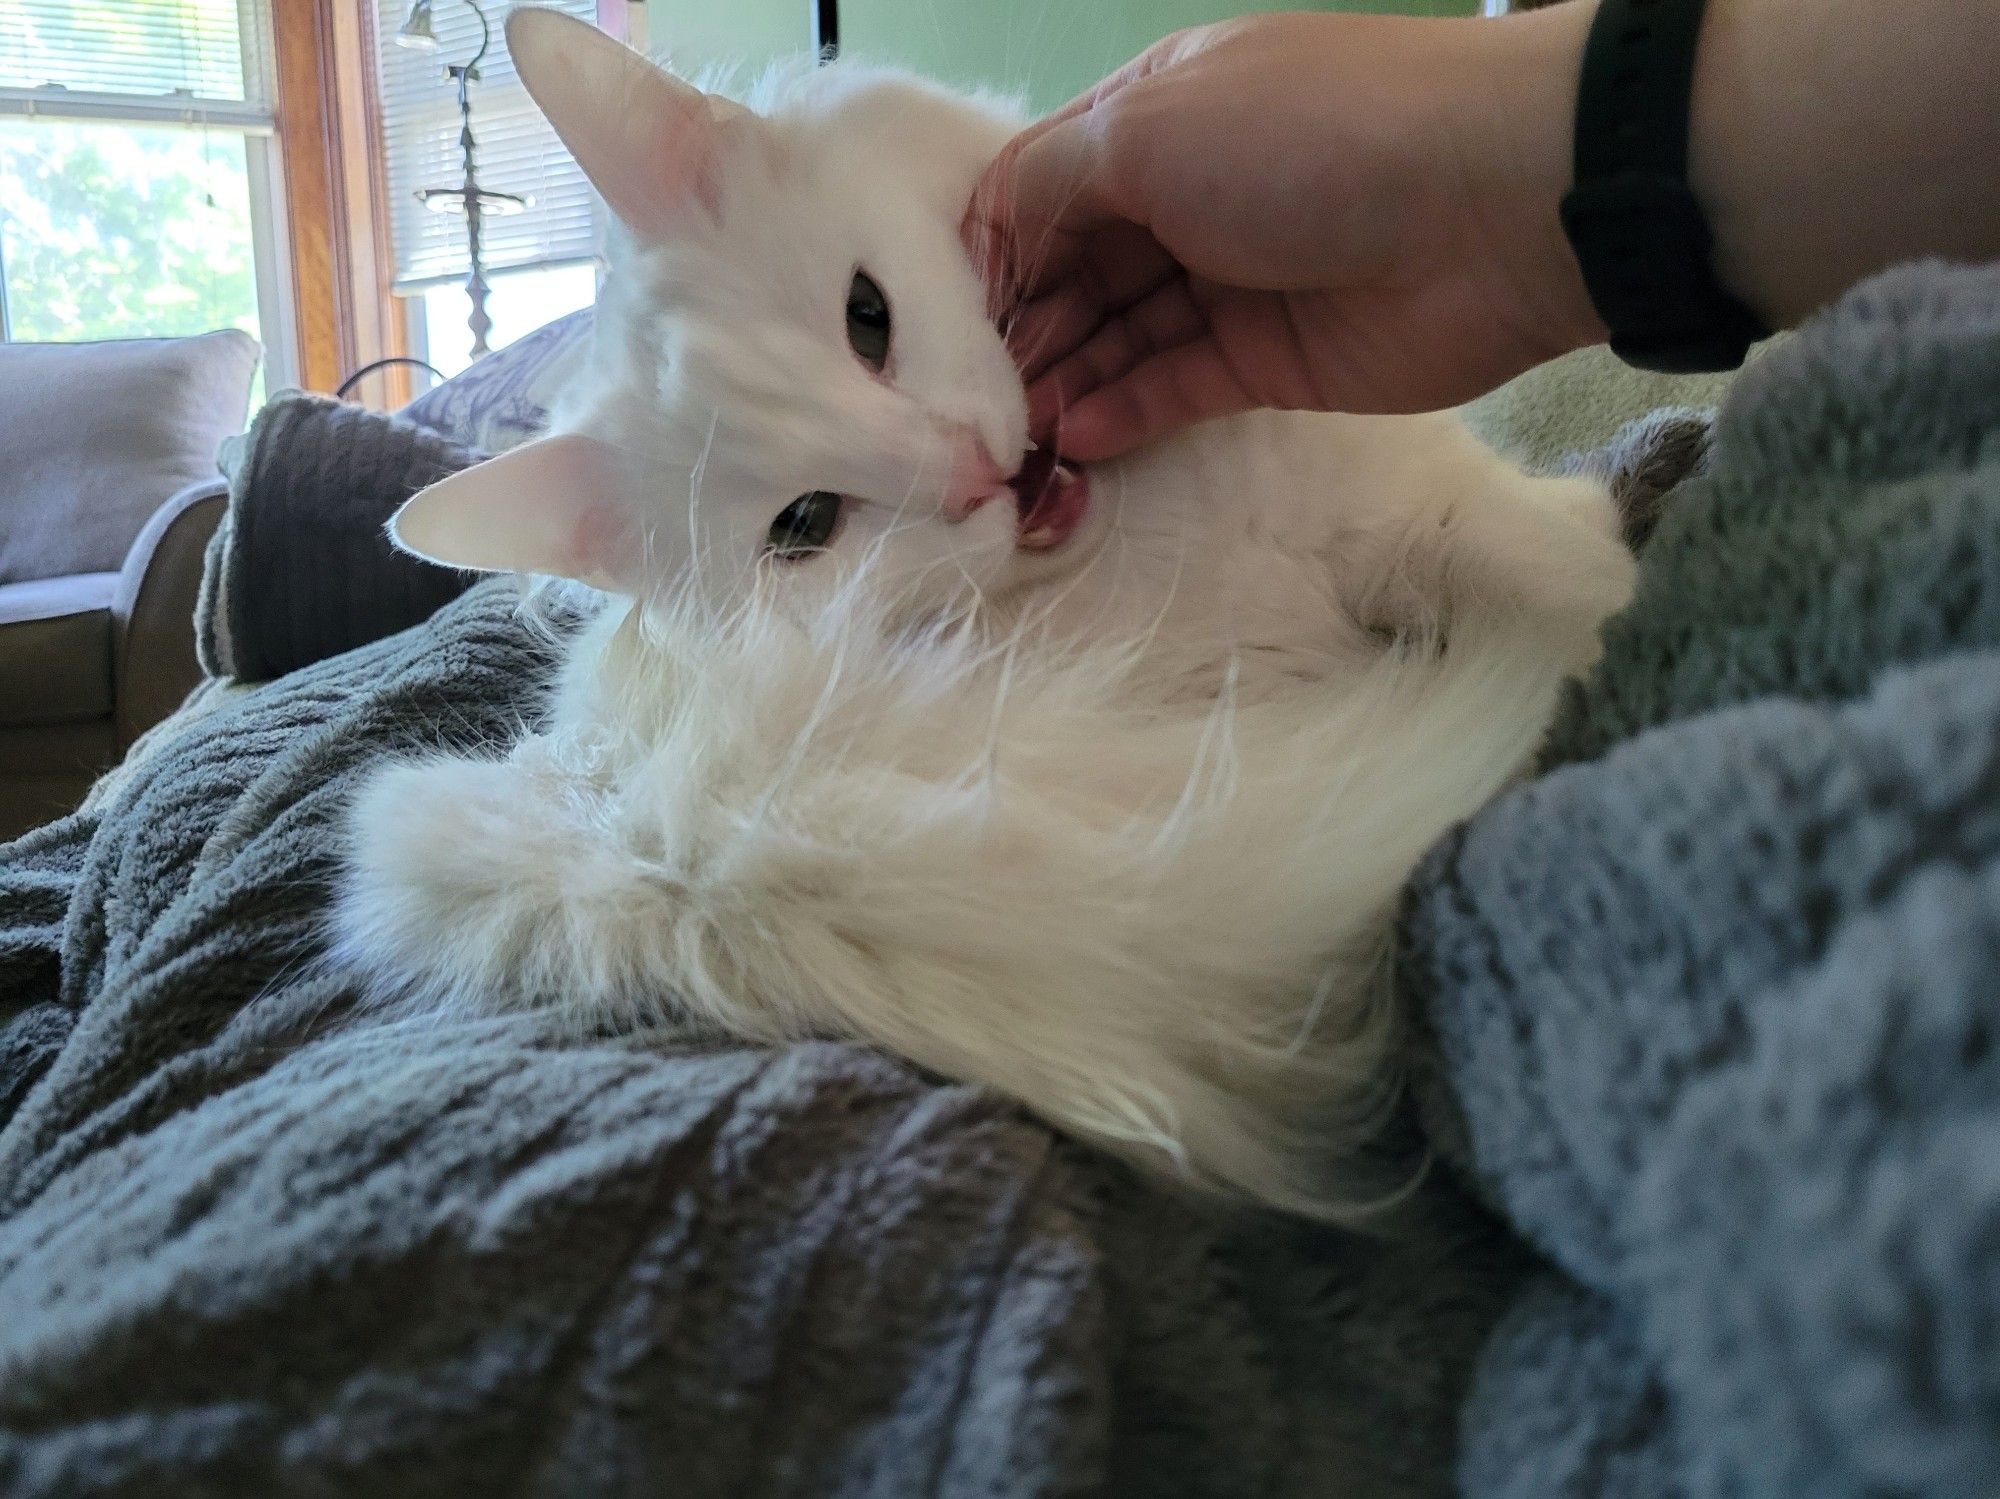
(253,1244)
(1719,998)
(1713,998)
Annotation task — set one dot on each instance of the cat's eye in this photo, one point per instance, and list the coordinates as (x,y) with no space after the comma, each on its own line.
(868,321)
(806,525)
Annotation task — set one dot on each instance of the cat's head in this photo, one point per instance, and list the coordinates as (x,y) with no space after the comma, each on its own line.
(795,379)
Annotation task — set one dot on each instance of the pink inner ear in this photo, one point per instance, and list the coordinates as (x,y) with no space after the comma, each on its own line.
(555,505)
(596,541)
(644,139)
(675,167)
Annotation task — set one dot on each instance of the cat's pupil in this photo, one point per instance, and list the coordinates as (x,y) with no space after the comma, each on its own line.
(806,525)
(868,321)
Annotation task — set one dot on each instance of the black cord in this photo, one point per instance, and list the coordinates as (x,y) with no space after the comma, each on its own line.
(485,41)
(382,364)
(826,29)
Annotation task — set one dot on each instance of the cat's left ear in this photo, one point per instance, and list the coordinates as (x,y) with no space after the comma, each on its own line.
(647,141)
(552,506)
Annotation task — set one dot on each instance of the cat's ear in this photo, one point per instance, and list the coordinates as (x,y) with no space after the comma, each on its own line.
(551,506)
(646,141)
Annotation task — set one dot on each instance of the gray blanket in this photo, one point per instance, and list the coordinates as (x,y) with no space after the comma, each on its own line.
(1717,999)
(1712,1001)
(252,1243)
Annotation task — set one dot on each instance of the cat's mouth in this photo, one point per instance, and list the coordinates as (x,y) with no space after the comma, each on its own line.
(1051,496)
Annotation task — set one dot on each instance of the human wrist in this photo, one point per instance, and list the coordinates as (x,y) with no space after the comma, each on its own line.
(1747,195)
(1829,141)
(1784,149)
(1527,145)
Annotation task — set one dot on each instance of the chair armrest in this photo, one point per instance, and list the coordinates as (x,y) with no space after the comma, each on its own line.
(153,665)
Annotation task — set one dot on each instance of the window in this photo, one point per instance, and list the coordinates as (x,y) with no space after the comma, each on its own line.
(539,258)
(137,172)
(519,302)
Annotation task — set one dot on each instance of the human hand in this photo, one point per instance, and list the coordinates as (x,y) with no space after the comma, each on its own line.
(1332,212)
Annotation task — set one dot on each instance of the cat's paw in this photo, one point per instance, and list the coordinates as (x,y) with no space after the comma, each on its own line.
(1645,462)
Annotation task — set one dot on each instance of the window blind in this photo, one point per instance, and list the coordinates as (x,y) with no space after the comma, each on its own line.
(517,152)
(197,60)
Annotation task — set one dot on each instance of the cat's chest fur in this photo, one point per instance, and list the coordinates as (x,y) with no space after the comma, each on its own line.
(1280,547)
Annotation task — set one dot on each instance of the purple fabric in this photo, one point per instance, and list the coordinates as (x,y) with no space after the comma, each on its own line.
(504,399)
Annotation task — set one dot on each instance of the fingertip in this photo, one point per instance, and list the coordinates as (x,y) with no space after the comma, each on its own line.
(983,233)
(1102,425)
(974,231)
(1045,407)
(1159,396)
(1051,193)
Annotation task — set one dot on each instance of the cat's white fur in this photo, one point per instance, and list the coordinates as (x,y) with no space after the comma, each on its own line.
(1118,828)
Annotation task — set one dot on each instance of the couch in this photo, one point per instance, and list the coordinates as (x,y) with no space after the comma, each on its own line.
(109,492)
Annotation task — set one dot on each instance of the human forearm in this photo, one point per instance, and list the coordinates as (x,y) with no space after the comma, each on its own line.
(1363,213)
(1828,139)
(1832,138)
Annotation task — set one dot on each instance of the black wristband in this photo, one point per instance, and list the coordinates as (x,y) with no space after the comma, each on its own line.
(1639,234)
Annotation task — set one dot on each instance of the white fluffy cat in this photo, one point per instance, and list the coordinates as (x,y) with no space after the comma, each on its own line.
(1097,787)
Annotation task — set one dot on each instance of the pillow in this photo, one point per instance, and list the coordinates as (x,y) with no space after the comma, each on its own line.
(94,437)
(503,400)
(300,568)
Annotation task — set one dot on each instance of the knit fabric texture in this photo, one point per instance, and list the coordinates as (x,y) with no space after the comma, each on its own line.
(1713,1021)
(1714,998)
(255,1243)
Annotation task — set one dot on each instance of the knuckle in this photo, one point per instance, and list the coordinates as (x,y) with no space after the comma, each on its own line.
(1122,146)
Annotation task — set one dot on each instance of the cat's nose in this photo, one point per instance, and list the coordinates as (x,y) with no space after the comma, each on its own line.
(975,478)
(957,509)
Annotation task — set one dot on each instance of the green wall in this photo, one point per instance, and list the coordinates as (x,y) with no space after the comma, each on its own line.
(1047,49)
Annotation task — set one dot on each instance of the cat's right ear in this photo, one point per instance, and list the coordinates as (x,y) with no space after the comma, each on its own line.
(646,141)
(551,506)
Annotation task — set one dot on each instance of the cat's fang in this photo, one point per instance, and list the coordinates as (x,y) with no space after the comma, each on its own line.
(1052,497)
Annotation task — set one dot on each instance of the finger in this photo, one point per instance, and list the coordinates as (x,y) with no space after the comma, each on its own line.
(992,228)
(1164,320)
(987,232)
(1045,330)
(1116,270)
(1169,391)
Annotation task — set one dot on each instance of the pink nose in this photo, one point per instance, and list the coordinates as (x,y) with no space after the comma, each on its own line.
(960,507)
(975,478)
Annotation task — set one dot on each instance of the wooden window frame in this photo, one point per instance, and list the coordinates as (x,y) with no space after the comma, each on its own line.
(342,267)
(344,314)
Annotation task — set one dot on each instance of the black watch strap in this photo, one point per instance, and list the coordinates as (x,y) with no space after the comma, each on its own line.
(1639,234)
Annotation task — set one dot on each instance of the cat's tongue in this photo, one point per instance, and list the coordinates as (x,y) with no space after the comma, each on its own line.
(1051,496)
